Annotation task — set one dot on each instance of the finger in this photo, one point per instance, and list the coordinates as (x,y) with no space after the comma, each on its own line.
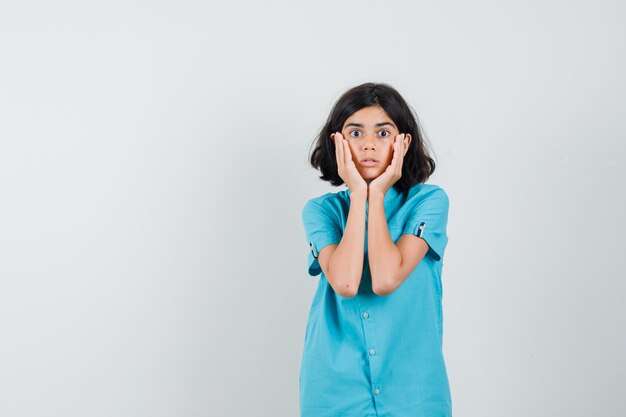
(342,149)
(396,147)
(402,147)
(397,154)
(406,144)
(347,151)
(338,152)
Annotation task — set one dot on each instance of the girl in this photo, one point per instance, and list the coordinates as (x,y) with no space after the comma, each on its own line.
(373,341)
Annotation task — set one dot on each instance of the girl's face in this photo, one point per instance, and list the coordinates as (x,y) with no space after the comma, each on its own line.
(370,133)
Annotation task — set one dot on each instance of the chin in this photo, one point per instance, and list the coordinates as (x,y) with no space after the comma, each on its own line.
(369,175)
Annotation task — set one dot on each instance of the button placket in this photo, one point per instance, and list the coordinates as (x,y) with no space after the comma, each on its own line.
(375,365)
(371,352)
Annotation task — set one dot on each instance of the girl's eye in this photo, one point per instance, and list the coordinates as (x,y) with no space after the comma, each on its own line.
(383,133)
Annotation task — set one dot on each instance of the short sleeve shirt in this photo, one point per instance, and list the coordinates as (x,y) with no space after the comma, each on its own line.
(371,355)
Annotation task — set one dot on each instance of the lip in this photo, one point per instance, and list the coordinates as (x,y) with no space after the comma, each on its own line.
(368,162)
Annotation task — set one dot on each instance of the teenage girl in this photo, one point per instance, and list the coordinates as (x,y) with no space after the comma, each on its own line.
(373,341)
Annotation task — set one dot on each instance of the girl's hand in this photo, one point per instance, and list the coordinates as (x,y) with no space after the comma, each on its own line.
(345,165)
(393,172)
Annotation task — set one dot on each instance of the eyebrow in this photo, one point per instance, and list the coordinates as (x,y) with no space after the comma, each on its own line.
(376,125)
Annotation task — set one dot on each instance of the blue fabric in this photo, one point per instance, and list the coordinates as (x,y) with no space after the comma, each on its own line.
(374,355)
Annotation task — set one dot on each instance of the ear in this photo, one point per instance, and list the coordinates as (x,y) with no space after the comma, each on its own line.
(408,141)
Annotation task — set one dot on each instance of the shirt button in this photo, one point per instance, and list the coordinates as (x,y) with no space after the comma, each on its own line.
(372,352)
(365,315)
(376,391)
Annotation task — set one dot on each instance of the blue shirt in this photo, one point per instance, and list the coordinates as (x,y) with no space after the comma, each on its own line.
(371,355)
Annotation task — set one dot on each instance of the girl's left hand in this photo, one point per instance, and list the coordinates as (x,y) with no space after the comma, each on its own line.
(394,171)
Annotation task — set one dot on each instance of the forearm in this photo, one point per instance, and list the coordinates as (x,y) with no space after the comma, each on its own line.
(346,262)
(384,256)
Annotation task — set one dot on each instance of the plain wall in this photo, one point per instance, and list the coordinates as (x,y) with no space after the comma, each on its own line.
(154,165)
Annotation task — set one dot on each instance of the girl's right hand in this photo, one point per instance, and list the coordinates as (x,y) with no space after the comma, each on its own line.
(345,165)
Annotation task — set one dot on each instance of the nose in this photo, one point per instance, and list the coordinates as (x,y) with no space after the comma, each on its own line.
(369,142)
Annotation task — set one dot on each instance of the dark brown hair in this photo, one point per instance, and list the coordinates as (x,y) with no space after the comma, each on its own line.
(417,166)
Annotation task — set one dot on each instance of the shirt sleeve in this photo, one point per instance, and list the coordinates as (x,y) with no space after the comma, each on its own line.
(428,220)
(320,231)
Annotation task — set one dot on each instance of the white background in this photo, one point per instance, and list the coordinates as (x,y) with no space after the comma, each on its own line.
(154,165)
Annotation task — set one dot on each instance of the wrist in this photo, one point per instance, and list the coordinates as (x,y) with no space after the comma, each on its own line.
(358,194)
(375,194)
